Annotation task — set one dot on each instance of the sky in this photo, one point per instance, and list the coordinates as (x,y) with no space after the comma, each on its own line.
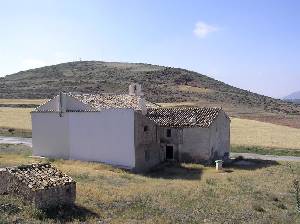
(251,44)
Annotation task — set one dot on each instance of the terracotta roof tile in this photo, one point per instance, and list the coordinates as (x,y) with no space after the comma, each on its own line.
(183,117)
(106,101)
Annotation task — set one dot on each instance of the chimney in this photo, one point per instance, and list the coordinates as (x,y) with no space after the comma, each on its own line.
(193,121)
(61,104)
(135,89)
(142,105)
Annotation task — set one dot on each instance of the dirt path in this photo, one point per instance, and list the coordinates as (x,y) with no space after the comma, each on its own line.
(266,157)
(15,140)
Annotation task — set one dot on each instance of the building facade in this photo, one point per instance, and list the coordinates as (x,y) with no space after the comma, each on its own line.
(127,131)
(192,134)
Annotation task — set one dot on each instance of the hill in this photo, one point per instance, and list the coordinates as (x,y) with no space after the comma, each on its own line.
(160,84)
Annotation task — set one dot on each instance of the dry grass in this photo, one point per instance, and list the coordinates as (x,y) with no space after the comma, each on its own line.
(178,104)
(192,89)
(18,118)
(189,193)
(22,101)
(255,133)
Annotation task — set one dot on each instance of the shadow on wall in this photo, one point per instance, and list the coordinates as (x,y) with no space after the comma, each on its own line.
(176,171)
(66,213)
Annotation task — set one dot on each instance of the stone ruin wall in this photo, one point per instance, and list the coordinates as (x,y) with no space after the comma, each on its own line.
(60,195)
(40,198)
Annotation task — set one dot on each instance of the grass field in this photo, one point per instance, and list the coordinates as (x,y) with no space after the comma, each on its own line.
(265,150)
(22,101)
(18,118)
(254,133)
(182,193)
(15,122)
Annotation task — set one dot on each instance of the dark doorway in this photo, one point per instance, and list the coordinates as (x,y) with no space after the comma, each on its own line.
(169,152)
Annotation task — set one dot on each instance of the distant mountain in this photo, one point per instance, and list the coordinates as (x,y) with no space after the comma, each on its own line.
(294,97)
(160,84)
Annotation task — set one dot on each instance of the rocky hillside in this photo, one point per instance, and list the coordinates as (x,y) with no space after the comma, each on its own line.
(160,84)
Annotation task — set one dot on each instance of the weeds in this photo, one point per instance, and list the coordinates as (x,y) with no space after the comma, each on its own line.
(179,193)
(296,186)
(9,208)
(210,181)
(297,193)
(258,208)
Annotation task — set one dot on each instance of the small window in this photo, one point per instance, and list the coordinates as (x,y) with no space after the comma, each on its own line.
(169,133)
(147,155)
(145,128)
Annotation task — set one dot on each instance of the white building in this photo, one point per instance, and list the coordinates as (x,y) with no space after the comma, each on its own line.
(127,131)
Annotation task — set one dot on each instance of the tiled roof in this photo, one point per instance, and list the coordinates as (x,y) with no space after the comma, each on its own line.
(105,101)
(183,117)
(40,176)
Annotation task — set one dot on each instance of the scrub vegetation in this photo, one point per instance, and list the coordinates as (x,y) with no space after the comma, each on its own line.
(174,193)
(160,84)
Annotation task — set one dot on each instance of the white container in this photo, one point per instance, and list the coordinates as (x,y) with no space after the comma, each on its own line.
(219,164)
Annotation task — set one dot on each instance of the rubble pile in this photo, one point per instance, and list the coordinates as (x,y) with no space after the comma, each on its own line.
(40,184)
(40,176)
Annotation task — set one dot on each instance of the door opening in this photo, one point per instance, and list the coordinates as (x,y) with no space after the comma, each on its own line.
(169,152)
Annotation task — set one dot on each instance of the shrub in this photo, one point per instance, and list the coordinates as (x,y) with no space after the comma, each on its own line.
(11,130)
(258,208)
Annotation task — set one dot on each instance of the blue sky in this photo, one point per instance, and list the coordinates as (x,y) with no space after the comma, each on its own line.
(252,44)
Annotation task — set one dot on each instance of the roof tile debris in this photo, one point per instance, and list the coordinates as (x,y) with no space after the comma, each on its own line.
(40,176)
(183,117)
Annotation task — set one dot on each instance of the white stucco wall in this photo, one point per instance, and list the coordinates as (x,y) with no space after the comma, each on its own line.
(69,103)
(50,135)
(52,104)
(220,135)
(106,136)
(75,104)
